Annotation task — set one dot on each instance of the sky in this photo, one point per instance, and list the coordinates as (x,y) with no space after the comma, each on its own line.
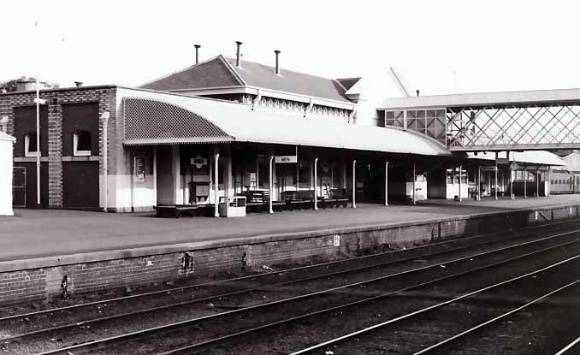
(438,46)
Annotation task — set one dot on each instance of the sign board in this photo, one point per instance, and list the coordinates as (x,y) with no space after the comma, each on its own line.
(139,169)
(502,161)
(198,161)
(488,168)
(285,159)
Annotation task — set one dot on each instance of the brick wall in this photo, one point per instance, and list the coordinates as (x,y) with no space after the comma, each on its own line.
(132,268)
(105,96)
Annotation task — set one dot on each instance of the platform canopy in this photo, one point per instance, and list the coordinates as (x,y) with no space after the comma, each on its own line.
(538,157)
(159,118)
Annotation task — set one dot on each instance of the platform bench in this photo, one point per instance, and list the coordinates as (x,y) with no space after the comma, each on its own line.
(176,211)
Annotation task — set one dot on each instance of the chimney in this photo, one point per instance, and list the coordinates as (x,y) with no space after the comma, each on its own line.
(197,46)
(78,84)
(277,52)
(418,92)
(238,54)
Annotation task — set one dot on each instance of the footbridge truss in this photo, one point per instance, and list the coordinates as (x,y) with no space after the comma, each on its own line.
(525,120)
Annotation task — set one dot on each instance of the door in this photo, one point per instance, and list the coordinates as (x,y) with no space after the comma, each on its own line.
(19,187)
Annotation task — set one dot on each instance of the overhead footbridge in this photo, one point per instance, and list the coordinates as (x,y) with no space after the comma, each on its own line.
(495,121)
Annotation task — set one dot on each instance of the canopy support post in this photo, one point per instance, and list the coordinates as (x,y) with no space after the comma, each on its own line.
(414,188)
(354,183)
(525,176)
(271,184)
(387,183)
(216,158)
(460,177)
(316,183)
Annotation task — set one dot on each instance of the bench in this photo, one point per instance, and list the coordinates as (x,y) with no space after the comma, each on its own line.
(337,198)
(257,201)
(176,211)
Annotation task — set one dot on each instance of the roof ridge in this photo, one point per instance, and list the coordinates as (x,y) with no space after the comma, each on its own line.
(282,69)
(232,70)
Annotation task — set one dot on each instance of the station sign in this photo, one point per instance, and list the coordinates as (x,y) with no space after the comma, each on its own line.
(198,161)
(285,159)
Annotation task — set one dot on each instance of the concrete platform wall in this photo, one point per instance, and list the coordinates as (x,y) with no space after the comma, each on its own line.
(44,278)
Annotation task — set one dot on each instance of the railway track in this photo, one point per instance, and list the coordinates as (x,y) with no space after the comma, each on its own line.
(432,322)
(332,282)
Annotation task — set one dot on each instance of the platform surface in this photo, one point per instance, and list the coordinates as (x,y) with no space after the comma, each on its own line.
(39,233)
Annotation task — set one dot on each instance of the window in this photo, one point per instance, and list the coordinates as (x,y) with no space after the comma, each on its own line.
(30,148)
(82,144)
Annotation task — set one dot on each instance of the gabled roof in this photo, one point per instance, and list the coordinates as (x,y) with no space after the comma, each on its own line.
(264,76)
(211,74)
(348,83)
(221,72)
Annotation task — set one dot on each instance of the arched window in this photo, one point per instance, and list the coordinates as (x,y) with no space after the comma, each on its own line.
(82,143)
(30,147)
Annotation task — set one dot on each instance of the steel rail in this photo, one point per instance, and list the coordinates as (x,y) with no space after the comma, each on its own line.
(493,320)
(180,324)
(568,347)
(306,279)
(427,309)
(351,304)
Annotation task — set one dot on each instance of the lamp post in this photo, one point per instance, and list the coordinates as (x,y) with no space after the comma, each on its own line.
(38,102)
(105,117)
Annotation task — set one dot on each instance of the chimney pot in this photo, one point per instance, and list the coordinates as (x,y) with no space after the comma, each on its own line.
(238,54)
(418,92)
(277,52)
(197,46)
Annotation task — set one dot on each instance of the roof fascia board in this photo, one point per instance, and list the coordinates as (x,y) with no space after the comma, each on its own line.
(184,140)
(268,93)
(304,98)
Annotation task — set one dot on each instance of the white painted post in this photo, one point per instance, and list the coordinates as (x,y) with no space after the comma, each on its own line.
(216,158)
(478,183)
(271,184)
(460,177)
(386,183)
(257,173)
(315,184)
(549,182)
(512,195)
(354,183)
(105,116)
(525,178)
(538,182)
(414,179)
(495,181)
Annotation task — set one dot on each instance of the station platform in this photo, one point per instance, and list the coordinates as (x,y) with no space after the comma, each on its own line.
(49,233)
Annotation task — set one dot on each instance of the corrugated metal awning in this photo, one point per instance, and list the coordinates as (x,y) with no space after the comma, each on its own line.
(202,120)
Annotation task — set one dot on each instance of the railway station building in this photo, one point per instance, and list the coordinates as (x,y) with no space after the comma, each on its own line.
(247,135)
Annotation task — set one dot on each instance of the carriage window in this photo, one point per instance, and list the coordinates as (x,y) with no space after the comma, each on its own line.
(82,143)
(30,148)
